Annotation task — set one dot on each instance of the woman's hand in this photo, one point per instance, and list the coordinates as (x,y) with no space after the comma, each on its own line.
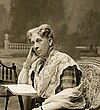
(30,58)
(32,55)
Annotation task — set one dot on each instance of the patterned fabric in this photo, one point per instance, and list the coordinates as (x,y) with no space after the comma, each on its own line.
(33,73)
(55,73)
(90,84)
(48,79)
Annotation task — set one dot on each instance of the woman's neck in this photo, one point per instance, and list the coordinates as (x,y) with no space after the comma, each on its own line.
(47,55)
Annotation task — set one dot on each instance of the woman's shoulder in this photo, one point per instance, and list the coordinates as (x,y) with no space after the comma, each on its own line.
(63,56)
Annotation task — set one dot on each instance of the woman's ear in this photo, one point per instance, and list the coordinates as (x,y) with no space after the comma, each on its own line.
(50,42)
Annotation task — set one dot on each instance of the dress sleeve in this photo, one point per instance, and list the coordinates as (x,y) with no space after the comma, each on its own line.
(23,76)
(69,78)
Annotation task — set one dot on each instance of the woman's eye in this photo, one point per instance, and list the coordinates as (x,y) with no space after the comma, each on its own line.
(38,40)
(32,42)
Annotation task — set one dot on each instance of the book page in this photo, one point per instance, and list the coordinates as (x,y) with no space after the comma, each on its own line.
(22,89)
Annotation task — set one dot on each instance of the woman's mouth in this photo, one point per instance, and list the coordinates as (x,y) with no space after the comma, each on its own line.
(39,51)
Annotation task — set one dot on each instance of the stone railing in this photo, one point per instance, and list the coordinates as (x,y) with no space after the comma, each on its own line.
(22,46)
(91,50)
(19,46)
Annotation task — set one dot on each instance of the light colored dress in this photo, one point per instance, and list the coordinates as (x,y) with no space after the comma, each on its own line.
(49,78)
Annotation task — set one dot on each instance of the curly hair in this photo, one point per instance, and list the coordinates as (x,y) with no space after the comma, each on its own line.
(43,30)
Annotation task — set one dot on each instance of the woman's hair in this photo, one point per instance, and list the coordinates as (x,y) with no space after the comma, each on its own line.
(43,30)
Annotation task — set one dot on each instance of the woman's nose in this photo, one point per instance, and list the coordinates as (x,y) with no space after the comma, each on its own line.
(36,46)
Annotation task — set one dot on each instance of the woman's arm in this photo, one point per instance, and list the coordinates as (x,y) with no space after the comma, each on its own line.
(23,76)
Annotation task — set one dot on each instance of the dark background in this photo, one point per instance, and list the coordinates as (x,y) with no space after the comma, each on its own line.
(75,22)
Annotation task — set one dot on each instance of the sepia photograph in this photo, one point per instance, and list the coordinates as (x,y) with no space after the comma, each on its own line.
(49,54)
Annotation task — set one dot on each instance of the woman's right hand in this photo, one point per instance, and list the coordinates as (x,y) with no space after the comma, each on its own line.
(31,57)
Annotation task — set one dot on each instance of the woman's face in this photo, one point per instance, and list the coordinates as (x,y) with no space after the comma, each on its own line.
(40,45)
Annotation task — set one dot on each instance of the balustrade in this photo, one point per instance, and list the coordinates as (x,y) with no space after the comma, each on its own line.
(19,46)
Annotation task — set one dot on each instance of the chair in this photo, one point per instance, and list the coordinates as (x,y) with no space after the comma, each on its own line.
(8,75)
(91,83)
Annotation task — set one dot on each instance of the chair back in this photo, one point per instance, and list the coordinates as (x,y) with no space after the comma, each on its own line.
(91,82)
(8,73)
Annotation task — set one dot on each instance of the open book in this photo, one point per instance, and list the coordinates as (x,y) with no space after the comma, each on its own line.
(21,89)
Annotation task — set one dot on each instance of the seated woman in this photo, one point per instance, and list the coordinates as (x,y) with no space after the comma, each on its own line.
(54,74)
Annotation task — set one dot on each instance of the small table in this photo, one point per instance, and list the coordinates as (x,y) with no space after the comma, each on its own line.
(5,93)
(19,90)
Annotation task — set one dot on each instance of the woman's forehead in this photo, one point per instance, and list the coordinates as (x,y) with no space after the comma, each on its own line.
(35,36)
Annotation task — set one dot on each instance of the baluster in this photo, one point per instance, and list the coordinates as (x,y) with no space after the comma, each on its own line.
(15,74)
(10,74)
(3,73)
(10,46)
(14,46)
(0,73)
(22,46)
(17,46)
(6,73)
(25,46)
(28,46)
